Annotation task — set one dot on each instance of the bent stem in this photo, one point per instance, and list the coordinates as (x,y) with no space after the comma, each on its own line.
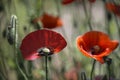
(13,24)
(93,66)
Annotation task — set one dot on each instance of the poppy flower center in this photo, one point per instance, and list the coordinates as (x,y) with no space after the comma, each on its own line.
(95,50)
(44,51)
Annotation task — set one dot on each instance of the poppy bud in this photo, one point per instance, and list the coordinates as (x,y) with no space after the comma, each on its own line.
(11,35)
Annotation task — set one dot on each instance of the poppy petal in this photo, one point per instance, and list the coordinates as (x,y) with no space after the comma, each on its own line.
(67,1)
(50,21)
(59,23)
(39,39)
(100,59)
(82,46)
(110,45)
(94,37)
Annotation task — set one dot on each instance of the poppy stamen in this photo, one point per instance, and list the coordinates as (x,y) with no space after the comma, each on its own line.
(95,49)
(44,51)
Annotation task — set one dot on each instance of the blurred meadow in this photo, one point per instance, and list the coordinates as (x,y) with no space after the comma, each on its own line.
(77,18)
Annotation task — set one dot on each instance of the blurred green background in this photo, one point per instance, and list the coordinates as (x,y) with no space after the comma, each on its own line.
(75,22)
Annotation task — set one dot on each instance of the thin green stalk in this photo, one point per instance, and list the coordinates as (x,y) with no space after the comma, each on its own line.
(92,70)
(109,72)
(108,63)
(88,16)
(46,67)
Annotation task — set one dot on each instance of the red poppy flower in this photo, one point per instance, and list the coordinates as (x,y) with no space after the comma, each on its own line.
(38,40)
(96,45)
(113,8)
(67,1)
(92,1)
(49,21)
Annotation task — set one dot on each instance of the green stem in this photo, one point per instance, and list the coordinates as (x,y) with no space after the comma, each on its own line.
(92,70)
(46,68)
(108,62)
(109,72)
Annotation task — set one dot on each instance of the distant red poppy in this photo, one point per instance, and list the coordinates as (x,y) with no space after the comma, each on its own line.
(113,8)
(92,1)
(67,1)
(38,40)
(96,45)
(70,1)
(49,21)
